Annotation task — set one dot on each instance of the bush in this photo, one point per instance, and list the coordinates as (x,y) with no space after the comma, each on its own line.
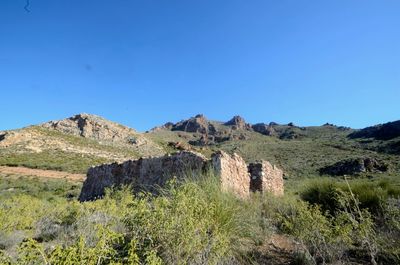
(20,213)
(389,236)
(330,237)
(193,224)
(371,195)
(190,223)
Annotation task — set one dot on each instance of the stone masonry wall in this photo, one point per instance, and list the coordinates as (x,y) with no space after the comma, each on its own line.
(143,174)
(265,177)
(150,173)
(233,173)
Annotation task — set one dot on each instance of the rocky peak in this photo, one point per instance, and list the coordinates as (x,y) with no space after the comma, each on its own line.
(166,126)
(291,124)
(198,123)
(92,126)
(238,123)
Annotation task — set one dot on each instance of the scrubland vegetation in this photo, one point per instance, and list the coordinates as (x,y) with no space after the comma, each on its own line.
(52,160)
(194,223)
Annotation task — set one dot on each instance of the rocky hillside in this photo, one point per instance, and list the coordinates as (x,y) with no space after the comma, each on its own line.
(381,138)
(74,144)
(386,131)
(237,128)
(300,151)
(94,127)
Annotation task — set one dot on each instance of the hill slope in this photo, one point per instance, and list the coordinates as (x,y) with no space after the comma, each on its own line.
(300,151)
(76,143)
(73,144)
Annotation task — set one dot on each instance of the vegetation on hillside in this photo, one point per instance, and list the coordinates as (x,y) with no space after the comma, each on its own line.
(299,151)
(324,220)
(195,223)
(64,152)
(315,148)
(53,160)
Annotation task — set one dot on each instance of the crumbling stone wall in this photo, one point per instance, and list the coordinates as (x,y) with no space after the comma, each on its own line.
(233,173)
(265,177)
(143,174)
(150,173)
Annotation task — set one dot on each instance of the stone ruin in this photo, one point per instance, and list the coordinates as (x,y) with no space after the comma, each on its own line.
(266,177)
(232,172)
(151,173)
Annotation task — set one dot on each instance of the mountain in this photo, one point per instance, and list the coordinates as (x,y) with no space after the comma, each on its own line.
(382,137)
(74,144)
(386,131)
(300,151)
(94,127)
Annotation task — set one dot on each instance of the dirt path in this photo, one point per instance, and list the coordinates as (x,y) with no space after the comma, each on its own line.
(41,173)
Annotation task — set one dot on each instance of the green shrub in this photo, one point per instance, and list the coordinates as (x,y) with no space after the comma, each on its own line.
(324,237)
(189,223)
(193,223)
(389,231)
(4,258)
(371,195)
(20,212)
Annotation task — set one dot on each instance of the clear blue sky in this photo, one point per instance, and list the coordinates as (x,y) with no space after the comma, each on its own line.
(146,62)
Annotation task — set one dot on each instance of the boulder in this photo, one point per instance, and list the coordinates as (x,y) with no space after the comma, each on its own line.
(354,166)
(180,146)
(264,129)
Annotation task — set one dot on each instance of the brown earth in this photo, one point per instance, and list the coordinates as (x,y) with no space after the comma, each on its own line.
(277,250)
(52,174)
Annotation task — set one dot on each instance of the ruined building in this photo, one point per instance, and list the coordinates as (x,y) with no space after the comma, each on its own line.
(266,177)
(150,173)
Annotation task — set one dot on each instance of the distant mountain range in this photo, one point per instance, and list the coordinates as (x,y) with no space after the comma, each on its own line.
(74,144)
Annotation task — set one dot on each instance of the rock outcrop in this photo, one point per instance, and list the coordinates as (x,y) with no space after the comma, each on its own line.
(354,166)
(21,138)
(94,127)
(266,177)
(264,129)
(166,126)
(197,124)
(238,123)
(88,136)
(2,136)
(150,173)
(180,146)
